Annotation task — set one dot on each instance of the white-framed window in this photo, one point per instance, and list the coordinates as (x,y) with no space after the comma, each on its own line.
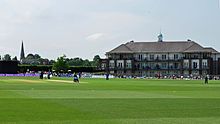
(204,63)
(111,64)
(140,57)
(120,63)
(195,64)
(186,64)
(164,57)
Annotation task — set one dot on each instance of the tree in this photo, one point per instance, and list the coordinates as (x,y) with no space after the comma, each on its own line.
(7,57)
(87,63)
(61,64)
(15,58)
(30,56)
(75,62)
(96,60)
(37,56)
(44,61)
(51,62)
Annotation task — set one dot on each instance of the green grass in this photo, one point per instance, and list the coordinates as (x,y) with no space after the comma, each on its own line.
(117,101)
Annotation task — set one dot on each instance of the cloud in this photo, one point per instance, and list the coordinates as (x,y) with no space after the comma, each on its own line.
(22,11)
(95,36)
(59,23)
(114,23)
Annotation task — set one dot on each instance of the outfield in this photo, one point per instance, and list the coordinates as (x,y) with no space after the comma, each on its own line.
(117,101)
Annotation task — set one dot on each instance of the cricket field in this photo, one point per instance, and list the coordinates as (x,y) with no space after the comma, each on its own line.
(116,101)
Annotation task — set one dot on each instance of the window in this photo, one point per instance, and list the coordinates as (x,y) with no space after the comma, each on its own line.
(164,65)
(204,64)
(128,64)
(176,65)
(205,55)
(120,65)
(186,65)
(187,56)
(164,57)
(157,66)
(151,65)
(195,56)
(195,65)
(140,57)
(103,65)
(112,64)
(141,65)
(151,57)
(121,56)
(176,56)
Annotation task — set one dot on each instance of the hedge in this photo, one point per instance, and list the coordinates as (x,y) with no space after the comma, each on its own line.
(36,68)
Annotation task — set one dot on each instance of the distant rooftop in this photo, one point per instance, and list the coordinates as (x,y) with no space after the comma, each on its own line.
(165,46)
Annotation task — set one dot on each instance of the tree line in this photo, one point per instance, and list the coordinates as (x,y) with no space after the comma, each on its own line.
(8,57)
(62,62)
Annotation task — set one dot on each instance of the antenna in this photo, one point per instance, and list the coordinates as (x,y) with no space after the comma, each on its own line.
(160,30)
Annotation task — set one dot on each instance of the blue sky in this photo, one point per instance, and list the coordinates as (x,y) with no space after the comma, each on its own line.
(84,28)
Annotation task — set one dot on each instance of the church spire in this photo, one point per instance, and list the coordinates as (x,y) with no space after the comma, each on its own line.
(22,56)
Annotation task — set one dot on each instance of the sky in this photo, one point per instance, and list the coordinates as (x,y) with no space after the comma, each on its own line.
(85,28)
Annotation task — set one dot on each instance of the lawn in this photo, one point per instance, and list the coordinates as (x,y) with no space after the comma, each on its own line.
(117,101)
